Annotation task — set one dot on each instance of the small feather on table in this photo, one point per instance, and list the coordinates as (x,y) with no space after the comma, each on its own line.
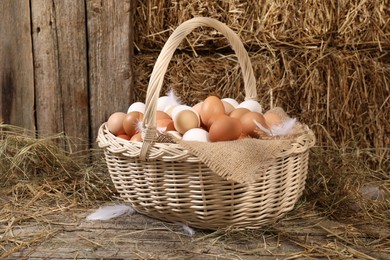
(109,212)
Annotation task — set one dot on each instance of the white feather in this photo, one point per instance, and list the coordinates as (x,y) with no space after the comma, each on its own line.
(281,129)
(173,99)
(139,126)
(189,231)
(109,212)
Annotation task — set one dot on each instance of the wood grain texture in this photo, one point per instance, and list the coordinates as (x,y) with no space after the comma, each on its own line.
(46,71)
(110,50)
(60,59)
(16,65)
(140,237)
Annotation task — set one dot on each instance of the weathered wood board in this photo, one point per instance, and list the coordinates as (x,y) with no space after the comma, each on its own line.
(110,44)
(60,67)
(68,235)
(65,66)
(16,65)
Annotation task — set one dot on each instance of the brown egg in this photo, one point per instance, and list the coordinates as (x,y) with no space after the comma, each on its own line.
(115,123)
(162,115)
(126,137)
(137,137)
(130,122)
(239,112)
(225,128)
(164,125)
(212,107)
(249,127)
(272,118)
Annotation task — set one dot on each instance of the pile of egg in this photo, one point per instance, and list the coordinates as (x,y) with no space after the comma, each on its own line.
(211,120)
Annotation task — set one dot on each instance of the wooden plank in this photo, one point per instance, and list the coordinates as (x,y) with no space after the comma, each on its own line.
(16,65)
(47,86)
(110,50)
(72,45)
(138,236)
(60,52)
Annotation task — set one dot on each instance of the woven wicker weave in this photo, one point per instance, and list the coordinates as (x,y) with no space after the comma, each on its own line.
(165,181)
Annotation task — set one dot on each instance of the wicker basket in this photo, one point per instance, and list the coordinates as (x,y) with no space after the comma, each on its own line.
(165,181)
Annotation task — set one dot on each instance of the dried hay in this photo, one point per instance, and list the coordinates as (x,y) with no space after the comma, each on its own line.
(38,178)
(343,95)
(345,24)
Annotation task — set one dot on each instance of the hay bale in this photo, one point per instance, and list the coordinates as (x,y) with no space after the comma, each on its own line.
(342,94)
(352,24)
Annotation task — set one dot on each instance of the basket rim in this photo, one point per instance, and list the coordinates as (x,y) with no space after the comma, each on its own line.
(175,152)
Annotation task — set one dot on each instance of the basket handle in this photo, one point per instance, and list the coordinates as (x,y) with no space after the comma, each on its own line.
(165,56)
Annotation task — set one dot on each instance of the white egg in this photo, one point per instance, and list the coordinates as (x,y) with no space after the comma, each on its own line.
(252,105)
(163,102)
(196,134)
(231,101)
(138,107)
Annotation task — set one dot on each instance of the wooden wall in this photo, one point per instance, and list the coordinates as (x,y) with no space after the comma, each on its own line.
(65,65)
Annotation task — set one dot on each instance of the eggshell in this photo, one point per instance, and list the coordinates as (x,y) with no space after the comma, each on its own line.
(164,125)
(115,123)
(252,105)
(239,112)
(137,106)
(180,108)
(185,118)
(136,138)
(231,101)
(162,115)
(130,122)
(196,134)
(272,118)
(249,127)
(228,107)
(225,128)
(163,102)
(198,106)
(169,110)
(126,137)
(212,107)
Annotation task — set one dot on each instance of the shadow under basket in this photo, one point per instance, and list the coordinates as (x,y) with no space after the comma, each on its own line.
(167,182)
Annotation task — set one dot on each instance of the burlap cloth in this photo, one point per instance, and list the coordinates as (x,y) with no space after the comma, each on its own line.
(244,160)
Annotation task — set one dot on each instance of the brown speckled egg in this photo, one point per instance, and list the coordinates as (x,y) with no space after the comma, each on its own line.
(225,128)
(249,127)
(115,123)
